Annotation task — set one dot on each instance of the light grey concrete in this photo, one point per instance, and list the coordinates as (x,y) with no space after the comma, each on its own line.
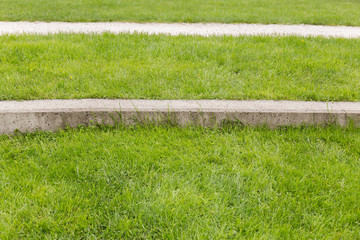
(28,116)
(203,29)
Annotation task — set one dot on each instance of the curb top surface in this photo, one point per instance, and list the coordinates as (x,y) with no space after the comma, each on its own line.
(177,105)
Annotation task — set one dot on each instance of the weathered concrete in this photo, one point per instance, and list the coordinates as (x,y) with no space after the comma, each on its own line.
(28,116)
(203,29)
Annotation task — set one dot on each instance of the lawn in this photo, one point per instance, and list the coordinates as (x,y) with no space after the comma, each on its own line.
(66,66)
(149,182)
(330,12)
(181,183)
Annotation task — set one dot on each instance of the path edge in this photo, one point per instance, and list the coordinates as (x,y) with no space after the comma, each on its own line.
(52,115)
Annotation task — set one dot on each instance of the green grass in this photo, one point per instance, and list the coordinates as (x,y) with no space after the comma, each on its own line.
(164,67)
(329,12)
(173,183)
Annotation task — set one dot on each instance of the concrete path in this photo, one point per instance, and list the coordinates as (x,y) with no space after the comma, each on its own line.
(28,116)
(203,29)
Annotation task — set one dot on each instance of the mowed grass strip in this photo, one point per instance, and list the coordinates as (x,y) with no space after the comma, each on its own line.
(330,12)
(173,183)
(181,67)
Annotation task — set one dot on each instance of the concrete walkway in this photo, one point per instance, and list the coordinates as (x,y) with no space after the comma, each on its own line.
(28,116)
(203,29)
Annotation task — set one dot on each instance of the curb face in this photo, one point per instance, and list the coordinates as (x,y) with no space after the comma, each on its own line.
(52,115)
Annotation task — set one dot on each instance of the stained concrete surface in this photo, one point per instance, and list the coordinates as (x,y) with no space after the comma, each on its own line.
(51,115)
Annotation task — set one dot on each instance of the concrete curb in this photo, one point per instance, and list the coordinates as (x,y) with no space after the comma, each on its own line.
(50,115)
(202,29)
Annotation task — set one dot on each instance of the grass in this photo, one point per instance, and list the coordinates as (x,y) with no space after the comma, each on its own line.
(165,67)
(174,183)
(330,12)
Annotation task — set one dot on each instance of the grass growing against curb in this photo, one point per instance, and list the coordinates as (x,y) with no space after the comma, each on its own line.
(192,183)
(182,67)
(330,12)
